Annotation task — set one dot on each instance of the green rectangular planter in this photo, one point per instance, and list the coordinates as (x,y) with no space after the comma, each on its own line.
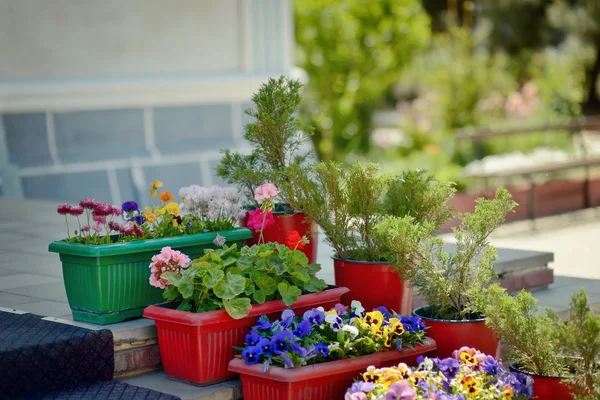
(109,283)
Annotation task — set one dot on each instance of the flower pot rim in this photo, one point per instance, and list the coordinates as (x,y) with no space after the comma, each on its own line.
(162,312)
(349,260)
(514,366)
(101,250)
(416,312)
(327,368)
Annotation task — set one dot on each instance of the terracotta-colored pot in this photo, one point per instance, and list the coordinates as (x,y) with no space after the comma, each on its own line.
(196,347)
(451,335)
(547,387)
(324,381)
(285,223)
(374,284)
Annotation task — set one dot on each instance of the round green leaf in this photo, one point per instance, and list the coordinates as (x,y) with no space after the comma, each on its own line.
(230,287)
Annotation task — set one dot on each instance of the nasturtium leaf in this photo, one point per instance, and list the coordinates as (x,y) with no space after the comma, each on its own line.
(171,276)
(213,277)
(259,296)
(289,293)
(237,308)
(230,287)
(244,262)
(267,284)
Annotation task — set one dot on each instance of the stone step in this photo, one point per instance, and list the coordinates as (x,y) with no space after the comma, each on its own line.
(157,380)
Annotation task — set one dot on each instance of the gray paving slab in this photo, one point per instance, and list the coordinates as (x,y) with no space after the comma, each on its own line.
(44,308)
(48,264)
(54,291)
(159,381)
(10,299)
(22,280)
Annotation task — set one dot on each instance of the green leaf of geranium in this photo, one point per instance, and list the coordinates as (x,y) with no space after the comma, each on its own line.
(289,294)
(301,275)
(186,285)
(173,277)
(259,296)
(244,262)
(214,256)
(213,277)
(314,268)
(315,284)
(230,287)
(299,258)
(237,308)
(267,284)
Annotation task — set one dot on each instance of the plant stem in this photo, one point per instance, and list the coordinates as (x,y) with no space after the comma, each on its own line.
(68,232)
(262,228)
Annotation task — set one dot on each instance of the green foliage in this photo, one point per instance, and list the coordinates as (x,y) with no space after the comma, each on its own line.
(421,196)
(276,139)
(233,280)
(353,52)
(448,282)
(544,344)
(580,337)
(348,203)
(534,343)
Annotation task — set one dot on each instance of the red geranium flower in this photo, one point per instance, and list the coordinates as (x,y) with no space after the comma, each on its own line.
(294,240)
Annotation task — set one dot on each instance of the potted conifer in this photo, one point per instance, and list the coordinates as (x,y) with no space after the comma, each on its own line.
(449,282)
(347,203)
(279,142)
(560,355)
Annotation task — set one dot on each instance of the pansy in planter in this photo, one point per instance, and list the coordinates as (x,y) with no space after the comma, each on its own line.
(468,374)
(319,336)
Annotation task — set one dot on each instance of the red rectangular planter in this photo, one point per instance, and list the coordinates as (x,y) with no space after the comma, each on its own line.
(196,347)
(324,381)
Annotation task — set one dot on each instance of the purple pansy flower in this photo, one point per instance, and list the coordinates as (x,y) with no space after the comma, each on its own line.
(303,329)
(251,354)
(316,317)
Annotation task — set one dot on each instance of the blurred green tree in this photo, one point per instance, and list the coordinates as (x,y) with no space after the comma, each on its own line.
(581,18)
(353,52)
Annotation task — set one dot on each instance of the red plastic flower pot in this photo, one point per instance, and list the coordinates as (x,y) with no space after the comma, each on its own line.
(547,387)
(196,347)
(374,284)
(325,381)
(451,335)
(285,223)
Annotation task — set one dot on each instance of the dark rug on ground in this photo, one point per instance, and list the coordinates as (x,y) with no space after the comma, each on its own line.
(111,390)
(38,356)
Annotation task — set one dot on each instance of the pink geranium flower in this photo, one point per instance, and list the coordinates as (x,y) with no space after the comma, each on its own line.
(167,260)
(265,191)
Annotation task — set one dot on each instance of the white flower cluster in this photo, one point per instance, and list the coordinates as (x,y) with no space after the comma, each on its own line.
(211,203)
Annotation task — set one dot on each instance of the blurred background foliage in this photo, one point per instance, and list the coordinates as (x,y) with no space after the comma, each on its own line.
(435,67)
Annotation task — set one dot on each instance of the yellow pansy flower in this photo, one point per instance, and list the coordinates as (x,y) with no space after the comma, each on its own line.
(175,223)
(397,328)
(372,375)
(161,211)
(374,318)
(331,312)
(155,185)
(387,337)
(468,358)
(173,209)
(470,384)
